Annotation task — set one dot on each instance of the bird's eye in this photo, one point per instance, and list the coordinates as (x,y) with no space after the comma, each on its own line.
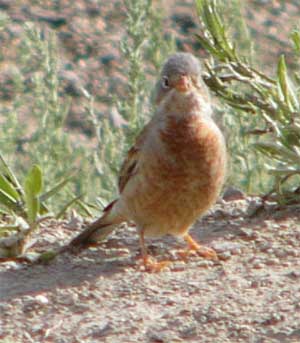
(165,82)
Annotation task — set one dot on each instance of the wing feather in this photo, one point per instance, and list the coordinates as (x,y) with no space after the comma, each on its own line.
(129,167)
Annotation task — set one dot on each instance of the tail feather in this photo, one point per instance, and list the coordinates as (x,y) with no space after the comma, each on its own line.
(96,231)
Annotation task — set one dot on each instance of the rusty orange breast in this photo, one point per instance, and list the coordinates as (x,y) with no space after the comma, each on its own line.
(196,145)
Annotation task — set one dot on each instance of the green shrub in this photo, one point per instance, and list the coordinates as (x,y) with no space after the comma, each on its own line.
(143,50)
(266,111)
(43,138)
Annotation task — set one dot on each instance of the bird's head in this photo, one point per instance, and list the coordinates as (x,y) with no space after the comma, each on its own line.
(182,73)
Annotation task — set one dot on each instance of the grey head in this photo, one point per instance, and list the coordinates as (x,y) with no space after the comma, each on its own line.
(182,72)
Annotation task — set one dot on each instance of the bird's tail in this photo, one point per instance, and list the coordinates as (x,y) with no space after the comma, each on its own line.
(97,230)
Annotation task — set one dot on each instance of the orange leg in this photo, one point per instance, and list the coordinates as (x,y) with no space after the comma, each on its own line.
(200,250)
(149,263)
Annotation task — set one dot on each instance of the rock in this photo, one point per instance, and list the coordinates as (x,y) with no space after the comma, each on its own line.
(41,299)
(101,330)
(247,234)
(232,194)
(232,247)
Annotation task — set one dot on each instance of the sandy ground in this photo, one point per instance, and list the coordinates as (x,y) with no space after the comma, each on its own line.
(102,294)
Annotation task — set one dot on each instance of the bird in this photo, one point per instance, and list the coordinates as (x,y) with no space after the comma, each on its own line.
(175,171)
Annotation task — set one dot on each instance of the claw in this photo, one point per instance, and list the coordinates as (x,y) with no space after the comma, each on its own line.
(150,264)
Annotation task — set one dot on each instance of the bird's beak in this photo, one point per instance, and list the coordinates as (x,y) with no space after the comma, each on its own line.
(183,83)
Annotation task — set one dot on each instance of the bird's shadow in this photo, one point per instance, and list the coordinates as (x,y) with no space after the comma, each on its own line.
(67,269)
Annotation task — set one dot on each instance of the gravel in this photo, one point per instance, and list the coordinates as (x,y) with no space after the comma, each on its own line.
(102,294)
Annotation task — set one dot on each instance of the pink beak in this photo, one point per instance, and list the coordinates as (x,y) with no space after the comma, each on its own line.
(182,84)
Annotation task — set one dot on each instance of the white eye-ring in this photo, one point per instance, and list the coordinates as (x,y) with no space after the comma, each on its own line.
(165,82)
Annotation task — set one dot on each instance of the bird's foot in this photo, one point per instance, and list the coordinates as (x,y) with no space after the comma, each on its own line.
(153,266)
(198,249)
(202,251)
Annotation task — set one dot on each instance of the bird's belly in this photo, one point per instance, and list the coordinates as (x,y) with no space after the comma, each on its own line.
(173,208)
(169,199)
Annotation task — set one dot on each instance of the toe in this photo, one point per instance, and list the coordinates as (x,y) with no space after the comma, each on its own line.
(152,266)
(207,253)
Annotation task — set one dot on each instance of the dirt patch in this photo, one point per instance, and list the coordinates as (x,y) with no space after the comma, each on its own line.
(102,294)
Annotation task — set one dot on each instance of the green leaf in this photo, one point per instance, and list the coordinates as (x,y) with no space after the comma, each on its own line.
(10,175)
(56,188)
(7,201)
(285,89)
(8,188)
(34,180)
(70,203)
(199,6)
(282,77)
(277,152)
(295,36)
(84,207)
(47,256)
(43,209)
(284,171)
(215,39)
(33,186)
(209,47)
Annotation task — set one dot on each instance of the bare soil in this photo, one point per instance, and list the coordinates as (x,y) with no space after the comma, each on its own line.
(103,295)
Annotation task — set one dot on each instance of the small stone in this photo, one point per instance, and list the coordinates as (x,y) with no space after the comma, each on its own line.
(273,319)
(178,266)
(255,206)
(257,264)
(100,330)
(37,328)
(232,194)
(188,331)
(5,307)
(254,284)
(232,247)
(248,234)
(159,337)
(204,263)
(224,256)
(68,299)
(272,261)
(293,252)
(280,253)
(41,299)
(295,274)
(12,265)
(264,246)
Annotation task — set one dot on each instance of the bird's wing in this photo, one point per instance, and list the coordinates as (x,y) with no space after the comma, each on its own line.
(130,164)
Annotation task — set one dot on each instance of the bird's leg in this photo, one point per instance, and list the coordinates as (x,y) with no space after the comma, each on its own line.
(144,252)
(149,263)
(200,250)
